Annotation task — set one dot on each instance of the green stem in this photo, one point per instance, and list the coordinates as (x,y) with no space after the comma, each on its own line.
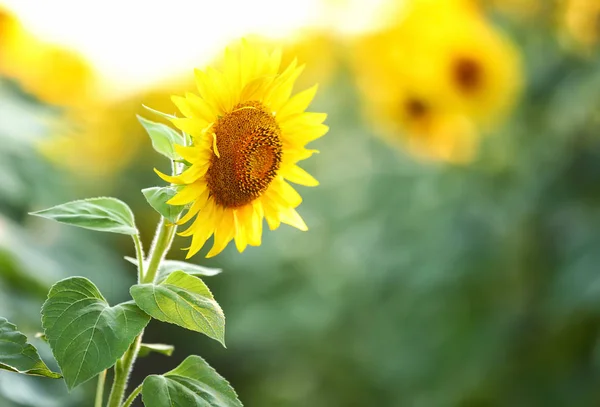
(160,246)
(122,371)
(132,396)
(139,252)
(100,389)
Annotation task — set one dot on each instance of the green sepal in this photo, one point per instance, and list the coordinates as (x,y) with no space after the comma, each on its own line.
(163,138)
(157,197)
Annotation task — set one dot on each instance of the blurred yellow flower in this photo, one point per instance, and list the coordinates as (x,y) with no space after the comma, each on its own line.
(581,21)
(248,136)
(53,74)
(317,49)
(98,139)
(94,141)
(440,68)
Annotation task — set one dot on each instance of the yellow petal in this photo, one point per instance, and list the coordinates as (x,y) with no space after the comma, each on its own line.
(253,225)
(298,176)
(202,231)
(220,90)
(188,193)
(240,230)
(291,217)
(193,154)
(247,64)
(189,176)
(197,170)
(297,104)
(169,178)
(214,145)
(182,105)
(196,207)
(262,62)
(202,221)
(278,81)
(299,122)
(203,84)
(274,62)
(255,238)
(200,108)
(281,93)
(255,88)
(232,70)
(294,154)
(223,233)
(195,127)
(301,136)
(198,241)
(271,213)
(286,192)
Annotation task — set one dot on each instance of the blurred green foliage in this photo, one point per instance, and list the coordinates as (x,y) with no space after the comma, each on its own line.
(33,254)
(418,284)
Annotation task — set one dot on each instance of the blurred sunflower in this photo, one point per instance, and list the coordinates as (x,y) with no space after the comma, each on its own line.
(98,139)
(247,138)
(480,69)
(439,68)
(581,21)
(53,74)
(318,50)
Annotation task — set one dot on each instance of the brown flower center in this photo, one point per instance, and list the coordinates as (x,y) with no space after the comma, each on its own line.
(415,108)
(249,146)
(468,74)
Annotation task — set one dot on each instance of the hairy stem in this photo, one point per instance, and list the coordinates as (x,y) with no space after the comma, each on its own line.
(132,396)
(122,371)
(139,253)
(160,246)
(100,389)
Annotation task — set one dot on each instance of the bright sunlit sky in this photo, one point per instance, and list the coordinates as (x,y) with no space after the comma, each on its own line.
(135,42)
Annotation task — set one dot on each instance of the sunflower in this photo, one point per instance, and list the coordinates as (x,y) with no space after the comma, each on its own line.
(580,20)
(436,76)
(247,135)
(54,74)
(97,139)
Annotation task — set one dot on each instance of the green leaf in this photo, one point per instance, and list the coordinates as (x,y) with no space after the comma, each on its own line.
(147,348)
(18,355)
(157,197)
(192,383)
(169,266)
(103,214)
(182,300)
(163,138)
(85,333)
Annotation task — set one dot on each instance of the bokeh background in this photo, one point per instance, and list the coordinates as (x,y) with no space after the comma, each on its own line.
(453,256)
